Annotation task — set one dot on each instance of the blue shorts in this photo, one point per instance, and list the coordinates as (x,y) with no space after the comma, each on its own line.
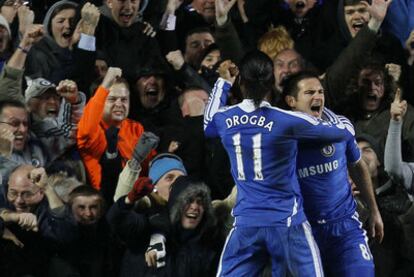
(344,248)
(290,249)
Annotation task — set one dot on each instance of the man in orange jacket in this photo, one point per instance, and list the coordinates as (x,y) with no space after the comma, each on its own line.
(107,138)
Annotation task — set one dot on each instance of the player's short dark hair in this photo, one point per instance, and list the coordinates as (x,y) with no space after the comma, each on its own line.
(256,76)
(290,84)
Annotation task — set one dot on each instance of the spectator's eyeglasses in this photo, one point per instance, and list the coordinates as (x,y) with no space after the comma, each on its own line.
(16,123)
(25,195)
(15,3)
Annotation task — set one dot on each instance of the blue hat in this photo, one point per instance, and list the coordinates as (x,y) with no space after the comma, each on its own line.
(164,163)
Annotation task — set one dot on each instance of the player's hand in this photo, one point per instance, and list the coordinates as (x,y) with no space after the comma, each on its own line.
(398,107)
(376,226)
(228,71)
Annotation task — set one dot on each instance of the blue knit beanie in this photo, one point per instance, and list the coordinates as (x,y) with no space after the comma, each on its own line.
(164,163)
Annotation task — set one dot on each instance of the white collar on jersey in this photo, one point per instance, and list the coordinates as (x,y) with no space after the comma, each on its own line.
(247,105)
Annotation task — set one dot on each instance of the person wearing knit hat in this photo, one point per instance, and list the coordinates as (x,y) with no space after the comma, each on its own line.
(163,171)
(143,208)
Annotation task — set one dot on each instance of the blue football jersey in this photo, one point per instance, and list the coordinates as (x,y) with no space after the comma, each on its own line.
(262,147)
(323,176)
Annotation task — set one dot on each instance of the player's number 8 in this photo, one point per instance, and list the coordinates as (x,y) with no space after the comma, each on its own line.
(365,252)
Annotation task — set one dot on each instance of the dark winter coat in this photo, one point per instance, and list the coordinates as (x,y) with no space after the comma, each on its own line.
(125,47)
(48,60)
(387,47)
(189,252)
(38,246)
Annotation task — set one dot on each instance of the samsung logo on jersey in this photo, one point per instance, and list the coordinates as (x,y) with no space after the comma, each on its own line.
(245,119)
(318,169)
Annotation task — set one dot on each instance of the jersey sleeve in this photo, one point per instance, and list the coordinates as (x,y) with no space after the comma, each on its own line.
(353,154)
(308,128)
(217,100)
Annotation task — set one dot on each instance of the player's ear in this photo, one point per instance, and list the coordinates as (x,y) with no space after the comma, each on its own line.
(290,101)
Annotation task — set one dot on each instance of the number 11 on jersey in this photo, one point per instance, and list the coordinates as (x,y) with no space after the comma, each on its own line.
(257,156)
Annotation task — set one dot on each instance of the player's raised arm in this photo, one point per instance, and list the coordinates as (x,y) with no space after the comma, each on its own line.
(218,98)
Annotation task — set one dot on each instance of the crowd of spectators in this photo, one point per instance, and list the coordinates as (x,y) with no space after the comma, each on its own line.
(104,167)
